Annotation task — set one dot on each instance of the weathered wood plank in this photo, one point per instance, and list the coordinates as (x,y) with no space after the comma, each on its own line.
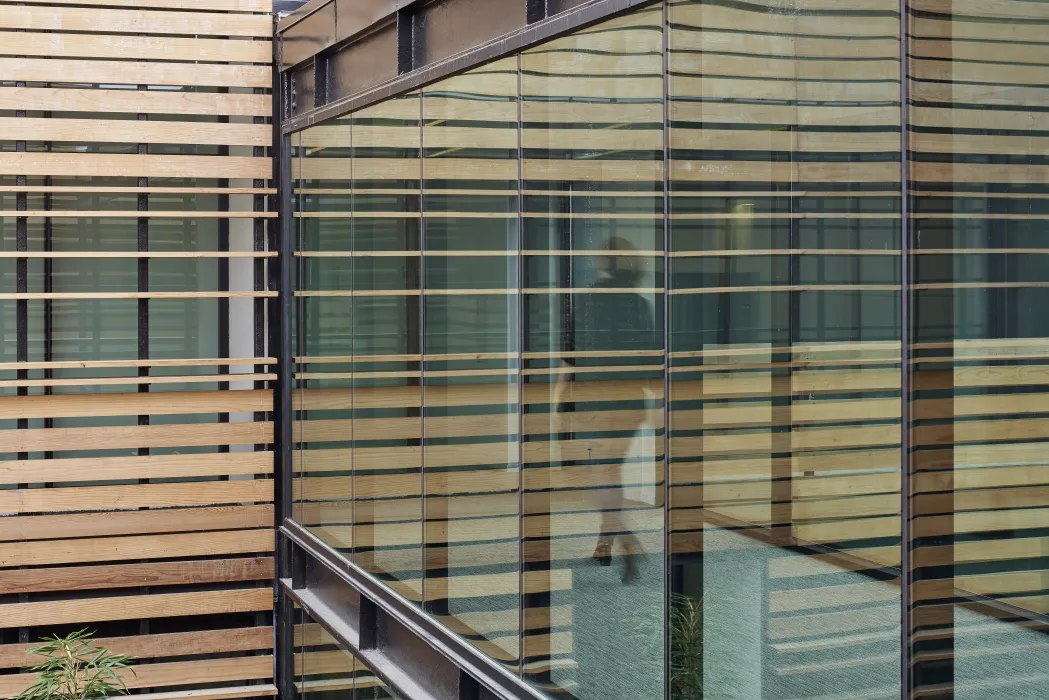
(190,493)
(84,578)
(135,101)
(115,437)
(135,404)
(135,72)
(39,471)
(66,612)
(26,528)
(122,165)
(135,21)
(96,46)
(151,646)
(196,544)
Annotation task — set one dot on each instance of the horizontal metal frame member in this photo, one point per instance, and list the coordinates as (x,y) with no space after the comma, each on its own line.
(287,7)
(508,44)
(414,655)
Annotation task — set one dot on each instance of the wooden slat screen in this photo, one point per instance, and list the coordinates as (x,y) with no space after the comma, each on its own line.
(136,490)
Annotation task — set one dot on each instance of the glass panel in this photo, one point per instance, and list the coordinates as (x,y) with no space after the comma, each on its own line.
(785,350)
(981,348)
(324,430)
(592,138)
(471,448)
(386,336)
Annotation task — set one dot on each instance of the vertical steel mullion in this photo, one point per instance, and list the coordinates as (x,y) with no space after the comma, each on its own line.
(48,289)
(353,352)
(667,522)
(143,311)
(286,356)
(279,333)
(522,330)
(258,322)
(422,359)
(224,278)
(258,245)
(907,689)
(22,313)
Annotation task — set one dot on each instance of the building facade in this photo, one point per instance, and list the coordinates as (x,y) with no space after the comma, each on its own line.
(657,351)
(571,349)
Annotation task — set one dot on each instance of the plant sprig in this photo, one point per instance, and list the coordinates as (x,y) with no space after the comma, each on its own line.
(76,669)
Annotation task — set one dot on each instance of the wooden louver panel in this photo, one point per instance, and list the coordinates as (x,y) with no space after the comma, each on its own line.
(135,399)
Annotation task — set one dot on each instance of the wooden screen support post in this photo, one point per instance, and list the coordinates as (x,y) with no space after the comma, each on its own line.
(143,310)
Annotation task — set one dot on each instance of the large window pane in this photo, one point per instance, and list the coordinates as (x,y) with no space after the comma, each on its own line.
(981,347)
(471,448)
(592,138)
(785,356)
(323,348)
(387,342)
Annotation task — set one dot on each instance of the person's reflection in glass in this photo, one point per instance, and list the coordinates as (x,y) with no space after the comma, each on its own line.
(601,320)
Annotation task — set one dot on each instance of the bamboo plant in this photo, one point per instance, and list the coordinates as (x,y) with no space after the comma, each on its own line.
(74,668)
(686,647)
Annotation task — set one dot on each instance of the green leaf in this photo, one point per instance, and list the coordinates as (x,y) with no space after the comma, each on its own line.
(74,668)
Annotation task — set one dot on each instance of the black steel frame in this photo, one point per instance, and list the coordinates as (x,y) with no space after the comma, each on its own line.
(383,628)
(411,74)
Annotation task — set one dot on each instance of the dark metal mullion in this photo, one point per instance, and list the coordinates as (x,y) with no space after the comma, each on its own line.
(522,330)
(224,281)
(258,206)
(279,335)
(143,312)
(258,315)
(422,372)
(22,314)
(535,10)
(906,546)
(48,289)
(667,521)
(353,351)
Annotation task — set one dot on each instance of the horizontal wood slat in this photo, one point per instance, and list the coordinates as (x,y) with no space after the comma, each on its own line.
(134,21)
(88,189)
(52,45)
(137,295)
(135,496)
(120,165)
(198,5)
(137,467)
(22,529)
(165,645)
(108,101)
(133,404)
(130,575)
(119,364)
(133,607)
(134,73)
(224,693)
(127,131)
(66,255)
(162,675)
(148,214)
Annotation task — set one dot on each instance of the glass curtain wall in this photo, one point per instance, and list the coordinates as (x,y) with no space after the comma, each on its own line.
(604,351)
